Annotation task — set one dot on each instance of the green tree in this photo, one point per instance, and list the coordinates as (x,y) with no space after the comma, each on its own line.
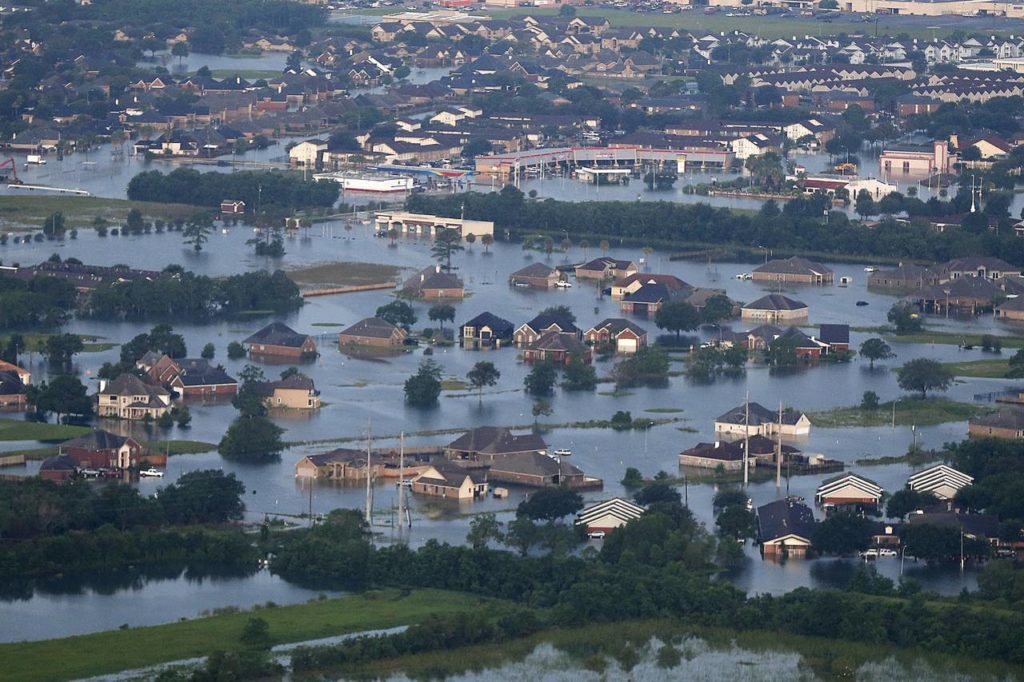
(53,226)
(869,401)
(541,379)
(541,408)
(398,313)
(203,496)
(63,395)
(487,240)
(1016,365)
(483,373)
(441,312)
(656,493)
(716,309)
(60,348)
(522,534)
(235,350)
(561,311)
(843,533)
(677,317)
(924,374)
(134,221)
(249,400)
(904,319)
(208,352)
(736,521)
(633,479)
(180,50)
(446,243)
(423,388)
(483,529)
(550,504)
(904,501)
(579,375)
(197,230)
(256,633)
(782,353)
(567,11)
(875,349)
(253,439)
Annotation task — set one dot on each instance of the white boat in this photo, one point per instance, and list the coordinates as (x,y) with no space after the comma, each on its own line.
(366,182)
(871,268)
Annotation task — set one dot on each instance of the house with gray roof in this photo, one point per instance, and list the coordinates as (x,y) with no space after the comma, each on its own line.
(795,270)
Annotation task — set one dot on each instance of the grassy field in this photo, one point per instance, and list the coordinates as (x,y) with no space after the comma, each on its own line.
(15,429)
(953,339)
(109,652)
(91,344)
(28,213)
(181,447)
(983,369)
(910,411)
(343,274)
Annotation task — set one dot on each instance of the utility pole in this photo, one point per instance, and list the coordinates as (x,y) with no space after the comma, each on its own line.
(746,441)
(369,482)
(404,517)
(778,453)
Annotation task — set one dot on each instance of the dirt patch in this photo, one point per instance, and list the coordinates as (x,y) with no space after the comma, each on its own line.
(343,274)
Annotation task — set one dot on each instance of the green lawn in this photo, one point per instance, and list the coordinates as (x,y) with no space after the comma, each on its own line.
(953,339)
(181,447)
(908,411)
(23,212)
(116,650)
(984,369)
(15,429)
(91,344)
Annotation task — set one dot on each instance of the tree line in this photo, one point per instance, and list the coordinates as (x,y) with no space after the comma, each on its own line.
(799,226)
(258,189)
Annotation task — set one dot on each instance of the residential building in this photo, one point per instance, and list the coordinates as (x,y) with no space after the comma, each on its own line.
(1012,310)
(604,517)
(486,443)
(343,464)
(557,347)
(728,456)
(785,528)
(279,340)
(754,419)
(450,481)
(606,268)
(648,299)
(806,347)
(486,330)
(621,335)
(835,336)
(536,470)
(531,331)
(774,308)
(906,277)
(631,283)
(23,374)
(848,489)
(101,448)
(973,526)
(13,392)
(899,160)
(128,397)
(58,468)
(1007,423)
(983,267)
(941,480)
(536,275)
(198,378)
(232,207)
(293,393)
(794,270)
(373,332)
(433,283)
(307,154)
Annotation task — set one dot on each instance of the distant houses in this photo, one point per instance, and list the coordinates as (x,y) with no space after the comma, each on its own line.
(606,268)
(774,308)
(279,340)
(1006,423)
(536,275)
(795,270)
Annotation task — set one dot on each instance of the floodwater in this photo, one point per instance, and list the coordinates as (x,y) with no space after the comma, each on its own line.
(365,395)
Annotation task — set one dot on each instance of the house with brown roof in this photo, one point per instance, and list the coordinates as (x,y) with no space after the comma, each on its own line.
(795,270)
(557,347)
(373,332)
(774,308)
(23,374)
(58,468)
(342,464)
(606,268)
(13,391)
(450,481)
(630,283)
(129,397)
(622,335)
(1007,423)
(1012,309)
(723,454)
(486,443)
(433,283)
(293,393)
(279,340)
(104,449)
(536,275)
(188,377)
(536,470)
(531,331)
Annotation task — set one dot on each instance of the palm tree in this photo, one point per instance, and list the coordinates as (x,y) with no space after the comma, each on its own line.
(585,245)
(487,240)
(470,239)
(604,246)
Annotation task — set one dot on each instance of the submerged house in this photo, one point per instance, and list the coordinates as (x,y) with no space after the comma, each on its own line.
(785,528)
(279,340)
